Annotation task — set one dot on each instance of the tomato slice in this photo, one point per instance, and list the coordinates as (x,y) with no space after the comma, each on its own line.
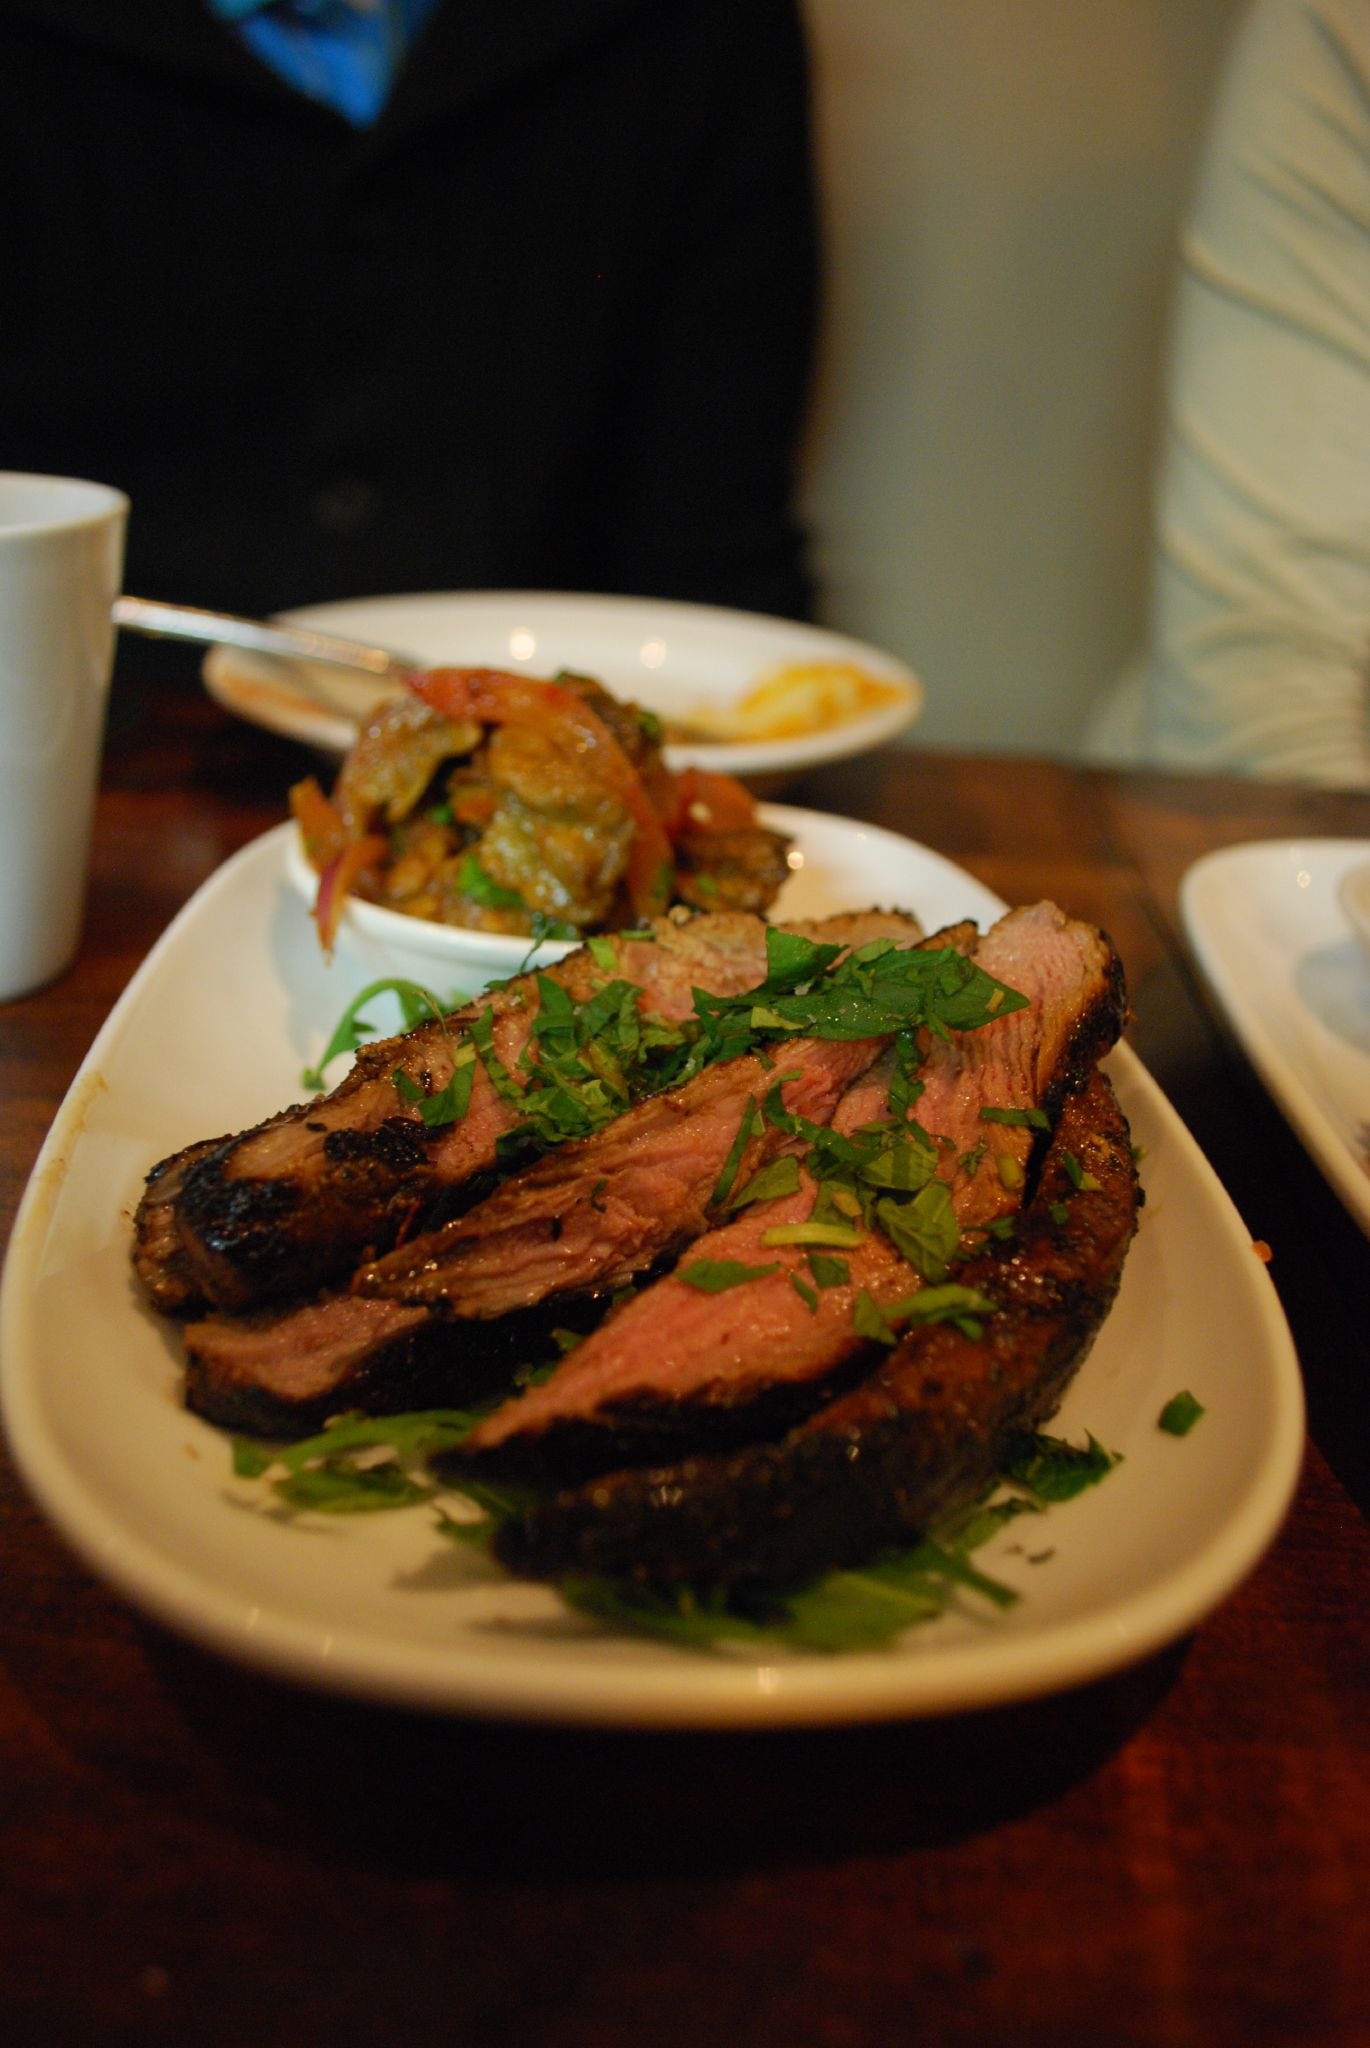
(709,802)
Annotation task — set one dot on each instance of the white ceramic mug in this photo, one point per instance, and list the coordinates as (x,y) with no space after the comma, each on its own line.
(61,562)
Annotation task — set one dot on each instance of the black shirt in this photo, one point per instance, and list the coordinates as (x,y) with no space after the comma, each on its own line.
(547,325)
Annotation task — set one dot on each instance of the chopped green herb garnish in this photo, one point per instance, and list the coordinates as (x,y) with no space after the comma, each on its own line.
(588,1062)
(715,1276)
(779,1177)
(844,1236)
(1179,1414)
(950,1303)
(482,888)
(875,991)
(748,1127)
(1075,1173)
(869,1321)
(924,1231)
(1034,1119)
(805,1292)
(1054,1470)
(451,1102)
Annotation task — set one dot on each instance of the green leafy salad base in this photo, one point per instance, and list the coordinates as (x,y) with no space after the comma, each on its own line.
(363,1465)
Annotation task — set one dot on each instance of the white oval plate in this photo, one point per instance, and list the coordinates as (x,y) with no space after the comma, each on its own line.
(212,1033)
(672,658)
(1275,942)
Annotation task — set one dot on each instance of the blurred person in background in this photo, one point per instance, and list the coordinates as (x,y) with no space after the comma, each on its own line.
(360,296)
(1259,657)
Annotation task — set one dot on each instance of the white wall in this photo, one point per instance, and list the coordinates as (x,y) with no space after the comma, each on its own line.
(1004,181)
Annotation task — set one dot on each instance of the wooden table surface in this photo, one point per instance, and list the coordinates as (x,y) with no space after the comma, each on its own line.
(1181,1854)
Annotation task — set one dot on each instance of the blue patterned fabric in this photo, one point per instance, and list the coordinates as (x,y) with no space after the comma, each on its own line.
(346,53)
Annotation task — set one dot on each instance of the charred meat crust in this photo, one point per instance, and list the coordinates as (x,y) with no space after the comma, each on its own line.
(923,1433)
(158,1255)
(237,1238)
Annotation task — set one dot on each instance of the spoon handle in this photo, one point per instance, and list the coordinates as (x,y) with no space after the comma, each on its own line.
(188,622)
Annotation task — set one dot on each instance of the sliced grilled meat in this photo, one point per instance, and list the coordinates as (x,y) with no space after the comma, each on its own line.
(283,1373)
(598,1211)
(280,1369)
(677,1367)
(275,1212)
(923,1433)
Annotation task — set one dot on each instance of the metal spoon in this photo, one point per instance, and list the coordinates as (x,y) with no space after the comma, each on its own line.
(187,622)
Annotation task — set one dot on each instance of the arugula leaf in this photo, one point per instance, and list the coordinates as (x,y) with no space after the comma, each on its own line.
(840,1611)
(415,1001)
(338,1470)
(497,1504)
(330,1490)
(481,1027)
(850,1609)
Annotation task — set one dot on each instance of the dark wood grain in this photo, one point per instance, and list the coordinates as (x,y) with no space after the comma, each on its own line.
(1180,1855)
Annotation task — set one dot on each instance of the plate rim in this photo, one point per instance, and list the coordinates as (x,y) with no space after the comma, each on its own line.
(1291,1095)
(863,1687)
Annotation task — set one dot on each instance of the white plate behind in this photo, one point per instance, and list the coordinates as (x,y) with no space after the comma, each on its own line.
(1281,956)
(670,657)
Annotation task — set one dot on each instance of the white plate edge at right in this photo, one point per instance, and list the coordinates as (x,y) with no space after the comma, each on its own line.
(1215,954)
